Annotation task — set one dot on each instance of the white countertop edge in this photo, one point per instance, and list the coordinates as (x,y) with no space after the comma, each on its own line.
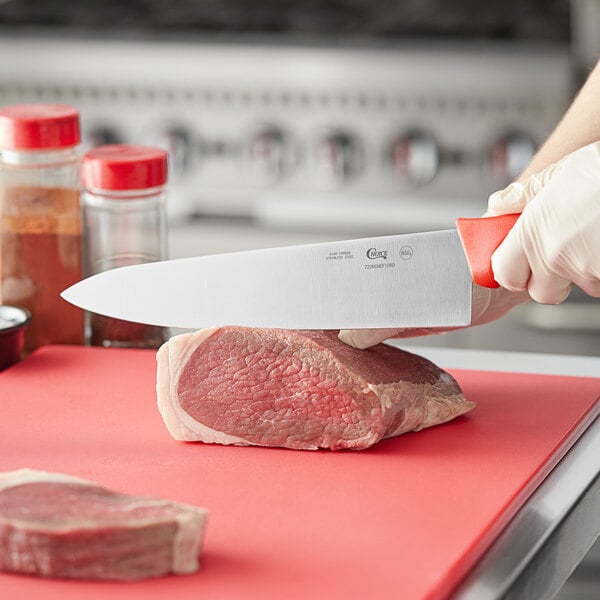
(512,362)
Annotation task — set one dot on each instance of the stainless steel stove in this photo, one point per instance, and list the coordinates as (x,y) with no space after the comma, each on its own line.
(355,139)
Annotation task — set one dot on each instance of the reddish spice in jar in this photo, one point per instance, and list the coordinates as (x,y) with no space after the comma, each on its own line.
(40,219)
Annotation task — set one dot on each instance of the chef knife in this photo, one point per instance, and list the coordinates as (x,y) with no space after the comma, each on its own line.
(408,280)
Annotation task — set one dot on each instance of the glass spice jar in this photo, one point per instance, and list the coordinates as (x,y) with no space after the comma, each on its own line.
(124,221)
(40,219)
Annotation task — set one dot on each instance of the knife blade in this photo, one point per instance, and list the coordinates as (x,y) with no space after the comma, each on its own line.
(408,280)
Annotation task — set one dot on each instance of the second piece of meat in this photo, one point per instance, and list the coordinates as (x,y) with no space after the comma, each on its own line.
(57,525)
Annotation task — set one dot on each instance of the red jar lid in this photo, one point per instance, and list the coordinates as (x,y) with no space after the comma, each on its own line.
(39,126)
(124,167)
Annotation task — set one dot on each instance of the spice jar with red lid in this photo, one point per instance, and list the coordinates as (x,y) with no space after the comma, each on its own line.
(40,219)
(124,220)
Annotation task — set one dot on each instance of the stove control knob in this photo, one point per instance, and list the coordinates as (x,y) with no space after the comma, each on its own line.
(176,141)
(510,155)
(415,158)
(338,158)
(270,155)
(99,136)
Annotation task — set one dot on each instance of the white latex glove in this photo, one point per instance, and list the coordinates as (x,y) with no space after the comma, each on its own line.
(555,244)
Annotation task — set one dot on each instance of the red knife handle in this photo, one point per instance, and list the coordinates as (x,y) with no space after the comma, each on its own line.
(480,238)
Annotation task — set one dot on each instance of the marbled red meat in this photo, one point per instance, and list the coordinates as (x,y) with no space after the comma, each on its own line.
(297,389)
(55,525)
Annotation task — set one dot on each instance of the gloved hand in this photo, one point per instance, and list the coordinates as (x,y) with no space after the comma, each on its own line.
(553,245)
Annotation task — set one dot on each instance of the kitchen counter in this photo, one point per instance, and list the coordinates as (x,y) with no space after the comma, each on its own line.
(487,506)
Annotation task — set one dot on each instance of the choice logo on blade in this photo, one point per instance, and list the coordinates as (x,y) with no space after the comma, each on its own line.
(373,254)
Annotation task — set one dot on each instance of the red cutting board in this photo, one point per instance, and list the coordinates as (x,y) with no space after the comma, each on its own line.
(405,519)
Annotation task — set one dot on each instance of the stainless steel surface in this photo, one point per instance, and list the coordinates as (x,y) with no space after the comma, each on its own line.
(335,285)
(367,139)
(504,361)
(570,317)
(584,583)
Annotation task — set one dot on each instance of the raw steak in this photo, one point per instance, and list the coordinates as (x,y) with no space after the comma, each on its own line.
(55,525)
(297,389)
